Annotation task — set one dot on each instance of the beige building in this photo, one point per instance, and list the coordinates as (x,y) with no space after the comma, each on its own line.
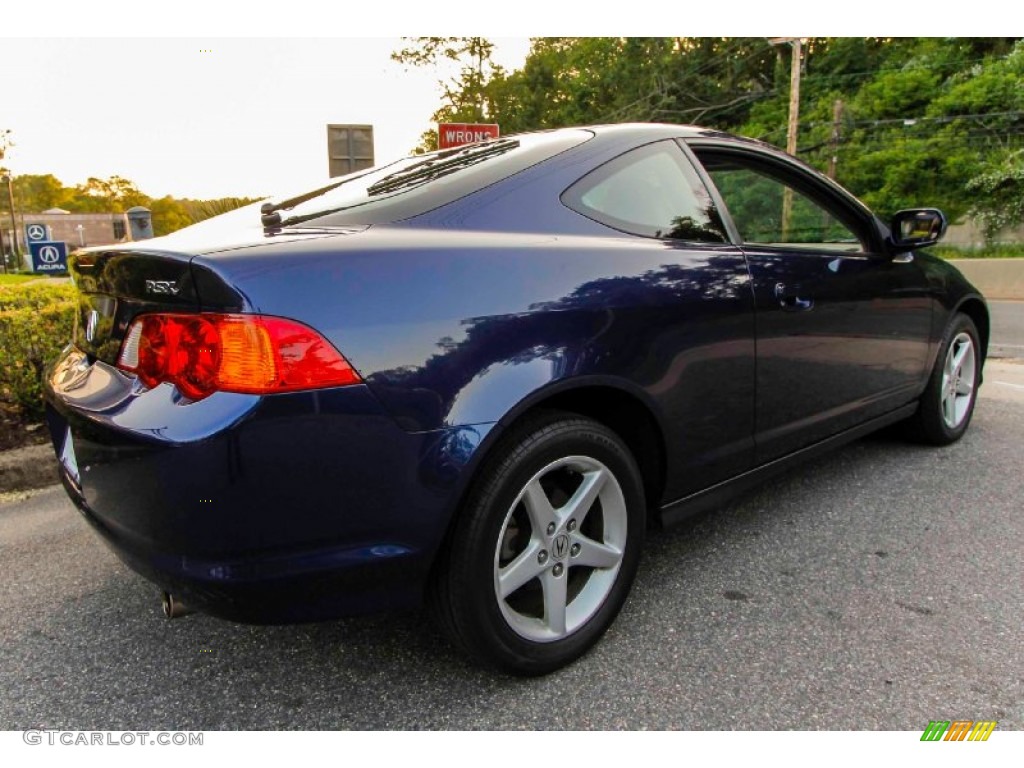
(80,229)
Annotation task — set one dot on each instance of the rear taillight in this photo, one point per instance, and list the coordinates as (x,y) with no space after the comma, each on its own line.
(206,353)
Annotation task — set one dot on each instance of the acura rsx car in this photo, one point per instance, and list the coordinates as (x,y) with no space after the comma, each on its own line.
(475,377)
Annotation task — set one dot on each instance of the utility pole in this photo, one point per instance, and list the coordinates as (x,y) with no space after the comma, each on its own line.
(794,119)
(835,138)
(16,248)
(5,144)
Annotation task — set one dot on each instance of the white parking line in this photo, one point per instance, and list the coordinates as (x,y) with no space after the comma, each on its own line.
(1008,384)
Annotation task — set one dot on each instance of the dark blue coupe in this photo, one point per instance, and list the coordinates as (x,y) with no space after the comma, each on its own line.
(476,377)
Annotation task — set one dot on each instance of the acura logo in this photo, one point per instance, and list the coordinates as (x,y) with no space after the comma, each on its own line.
(560,546)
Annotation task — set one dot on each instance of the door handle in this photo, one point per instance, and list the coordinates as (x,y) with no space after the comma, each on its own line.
(790,301)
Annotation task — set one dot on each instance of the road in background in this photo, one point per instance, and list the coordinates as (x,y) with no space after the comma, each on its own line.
(1007,328)
(877,588)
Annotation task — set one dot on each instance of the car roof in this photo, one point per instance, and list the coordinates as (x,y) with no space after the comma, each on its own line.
(659,129)
(640,132)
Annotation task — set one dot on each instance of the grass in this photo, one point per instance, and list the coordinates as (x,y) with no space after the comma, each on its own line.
(1005,251)
(12,279)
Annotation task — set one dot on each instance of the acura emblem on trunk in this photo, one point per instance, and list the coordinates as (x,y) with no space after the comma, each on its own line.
(90,325)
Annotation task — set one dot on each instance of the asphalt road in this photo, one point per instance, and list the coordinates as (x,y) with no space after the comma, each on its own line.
(1007,328)
(878,588)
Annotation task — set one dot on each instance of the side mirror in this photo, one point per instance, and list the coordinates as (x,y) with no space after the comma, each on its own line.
(916,228)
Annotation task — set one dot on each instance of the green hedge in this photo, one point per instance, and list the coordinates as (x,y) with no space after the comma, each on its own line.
(1005,251)
(13,278)
(35,325)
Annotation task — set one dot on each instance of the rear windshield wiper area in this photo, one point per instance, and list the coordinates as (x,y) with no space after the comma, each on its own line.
(269,211)
(440,165)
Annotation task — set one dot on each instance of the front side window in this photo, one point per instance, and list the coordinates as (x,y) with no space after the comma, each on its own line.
(652,191)
(770,210)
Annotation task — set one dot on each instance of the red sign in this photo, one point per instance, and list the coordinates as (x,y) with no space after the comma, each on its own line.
(455,134)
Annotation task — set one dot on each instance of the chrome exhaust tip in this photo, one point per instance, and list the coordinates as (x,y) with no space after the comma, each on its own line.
(174,608)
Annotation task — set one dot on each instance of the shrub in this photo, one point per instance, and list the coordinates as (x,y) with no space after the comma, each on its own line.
(36,322)
(1004,251)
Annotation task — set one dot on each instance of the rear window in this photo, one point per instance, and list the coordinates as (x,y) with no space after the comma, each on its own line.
(415,185)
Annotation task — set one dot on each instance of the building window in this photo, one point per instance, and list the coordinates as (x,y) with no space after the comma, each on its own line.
(119,230)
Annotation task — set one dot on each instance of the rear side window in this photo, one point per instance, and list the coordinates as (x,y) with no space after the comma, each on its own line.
(652,191)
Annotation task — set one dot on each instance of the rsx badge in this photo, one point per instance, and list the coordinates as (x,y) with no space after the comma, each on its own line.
(162,286)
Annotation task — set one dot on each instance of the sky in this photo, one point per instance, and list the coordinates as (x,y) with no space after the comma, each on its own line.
(210,117)
(211,98)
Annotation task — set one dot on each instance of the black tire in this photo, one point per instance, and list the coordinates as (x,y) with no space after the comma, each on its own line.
(935,423)
(561,456)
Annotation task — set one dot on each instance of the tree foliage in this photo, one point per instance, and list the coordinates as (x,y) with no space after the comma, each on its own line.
(920,117)
(467,96)
(998,197)
(35,193)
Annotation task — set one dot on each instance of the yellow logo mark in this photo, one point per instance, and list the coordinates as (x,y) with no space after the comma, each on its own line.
(982,730)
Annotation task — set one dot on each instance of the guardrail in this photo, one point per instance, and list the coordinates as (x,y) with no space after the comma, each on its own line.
(995,278)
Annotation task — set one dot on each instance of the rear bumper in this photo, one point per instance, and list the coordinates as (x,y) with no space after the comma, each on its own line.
(284,508)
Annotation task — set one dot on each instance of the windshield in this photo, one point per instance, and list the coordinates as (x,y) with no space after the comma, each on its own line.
(415,185)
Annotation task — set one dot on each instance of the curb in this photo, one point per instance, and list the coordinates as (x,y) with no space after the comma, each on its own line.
(23,469)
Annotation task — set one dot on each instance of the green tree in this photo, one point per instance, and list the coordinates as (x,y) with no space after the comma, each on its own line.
(998,196)
(112,194)
(168,215)
(40,192)
(920,117)
(200,210)
(466,97)
(572,81)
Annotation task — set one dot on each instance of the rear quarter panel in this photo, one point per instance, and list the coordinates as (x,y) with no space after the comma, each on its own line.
(456,330)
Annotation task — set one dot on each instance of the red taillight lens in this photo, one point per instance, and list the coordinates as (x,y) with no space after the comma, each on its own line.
(206,353)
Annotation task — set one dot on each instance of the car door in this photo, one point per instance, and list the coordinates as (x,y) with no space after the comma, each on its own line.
(842,327)
(690,310)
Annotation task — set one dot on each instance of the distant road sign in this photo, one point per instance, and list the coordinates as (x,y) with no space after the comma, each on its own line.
(349,148)
(456,134)
(36,233)
(49,256)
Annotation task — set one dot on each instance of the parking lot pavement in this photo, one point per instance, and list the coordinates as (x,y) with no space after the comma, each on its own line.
(1007,329)
(878,588)
(1004,380)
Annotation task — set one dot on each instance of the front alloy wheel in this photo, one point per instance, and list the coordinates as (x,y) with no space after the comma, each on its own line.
(958,378)
(947,403)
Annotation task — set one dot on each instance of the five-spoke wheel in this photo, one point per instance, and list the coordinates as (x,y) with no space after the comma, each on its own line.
(945,408)
(958,380)
(544,552)
(560,548)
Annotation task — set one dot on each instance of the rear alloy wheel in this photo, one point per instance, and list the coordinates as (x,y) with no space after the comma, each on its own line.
(544,545)
(946,407)
(543,556)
